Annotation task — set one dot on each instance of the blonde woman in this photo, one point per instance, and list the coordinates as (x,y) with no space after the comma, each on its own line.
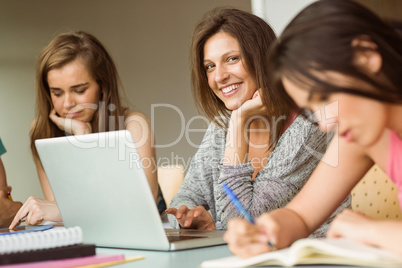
(77,92)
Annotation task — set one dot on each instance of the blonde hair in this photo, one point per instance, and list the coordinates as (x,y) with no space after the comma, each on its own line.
(62,50)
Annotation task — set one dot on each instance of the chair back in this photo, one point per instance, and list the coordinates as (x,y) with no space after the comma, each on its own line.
(170,178)
(376,196)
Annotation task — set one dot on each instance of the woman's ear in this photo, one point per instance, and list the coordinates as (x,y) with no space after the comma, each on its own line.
(366,55)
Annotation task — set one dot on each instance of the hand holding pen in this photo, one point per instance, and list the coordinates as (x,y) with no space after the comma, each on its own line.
(245,238)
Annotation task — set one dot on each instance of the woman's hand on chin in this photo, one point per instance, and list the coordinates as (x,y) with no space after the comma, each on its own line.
(251,108)
(72,126)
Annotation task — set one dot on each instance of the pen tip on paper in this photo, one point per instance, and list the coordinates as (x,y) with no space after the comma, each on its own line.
(271,245)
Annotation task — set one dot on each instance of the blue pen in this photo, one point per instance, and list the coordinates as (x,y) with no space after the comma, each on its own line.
(241,209)
(237,203)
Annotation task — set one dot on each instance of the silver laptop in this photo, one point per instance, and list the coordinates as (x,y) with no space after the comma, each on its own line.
(99,184)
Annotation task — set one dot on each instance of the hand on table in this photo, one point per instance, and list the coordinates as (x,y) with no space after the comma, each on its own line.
(195,218)
(35,211)
(350,224)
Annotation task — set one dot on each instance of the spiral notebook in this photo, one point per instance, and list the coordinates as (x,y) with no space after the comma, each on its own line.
(57,243)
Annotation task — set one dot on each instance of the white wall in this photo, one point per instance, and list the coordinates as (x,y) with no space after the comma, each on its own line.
(149,41)
(278,13)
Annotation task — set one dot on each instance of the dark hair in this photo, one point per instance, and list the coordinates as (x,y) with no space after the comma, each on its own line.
(319,39)
(254,36)
(62,50)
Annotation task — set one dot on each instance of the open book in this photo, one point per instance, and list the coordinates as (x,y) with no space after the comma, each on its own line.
(316,251)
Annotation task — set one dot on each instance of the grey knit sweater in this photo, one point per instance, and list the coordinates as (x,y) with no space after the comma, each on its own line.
(291,163)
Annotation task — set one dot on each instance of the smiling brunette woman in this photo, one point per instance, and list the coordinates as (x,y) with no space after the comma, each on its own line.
(77,92)
(256,143)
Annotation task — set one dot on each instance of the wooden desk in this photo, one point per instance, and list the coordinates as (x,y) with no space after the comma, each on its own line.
(191,258)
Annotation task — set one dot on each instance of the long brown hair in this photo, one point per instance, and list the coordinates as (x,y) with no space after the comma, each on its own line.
(254,36)
(319,39)
(62,50)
